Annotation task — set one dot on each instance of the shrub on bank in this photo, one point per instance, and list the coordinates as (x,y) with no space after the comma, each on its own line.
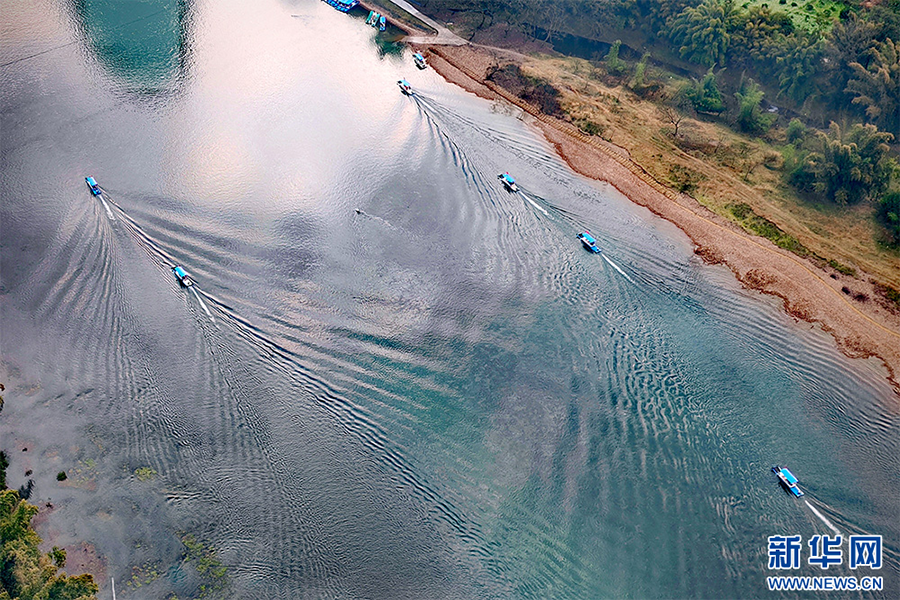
(533,90)
(887,212)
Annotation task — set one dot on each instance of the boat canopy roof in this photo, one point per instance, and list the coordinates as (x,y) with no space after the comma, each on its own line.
(587,236)
(508,177)
(418,55)
(180,272)
(90,180)
(789,476)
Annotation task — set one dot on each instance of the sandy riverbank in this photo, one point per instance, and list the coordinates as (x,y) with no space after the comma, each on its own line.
(840,304)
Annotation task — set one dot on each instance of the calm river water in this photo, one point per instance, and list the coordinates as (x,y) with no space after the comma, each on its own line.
(439,396)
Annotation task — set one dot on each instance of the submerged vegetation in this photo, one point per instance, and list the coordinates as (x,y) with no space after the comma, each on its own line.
(26,573)
(144,474)
(212,572)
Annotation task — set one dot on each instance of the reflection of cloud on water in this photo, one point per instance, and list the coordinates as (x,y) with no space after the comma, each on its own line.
(214,165)
(142,44)
(255,111)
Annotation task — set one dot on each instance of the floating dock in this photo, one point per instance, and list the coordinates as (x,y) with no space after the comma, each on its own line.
(342,5)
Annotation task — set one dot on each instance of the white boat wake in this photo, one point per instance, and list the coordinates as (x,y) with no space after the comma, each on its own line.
(535,204)
(821,516)
(202,304)
(106,206)
(617,268)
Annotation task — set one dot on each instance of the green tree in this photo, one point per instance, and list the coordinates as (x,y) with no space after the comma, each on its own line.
(888,214)
(750,116)
(796,131)
(850,41)
(59,556)
(752,33)
(782,55)
(886,16)
(639,78)
(701,32)
(652,15)
(641,83)
(704,95)
(846,167)
(614,64)
(798,59)
(878,86)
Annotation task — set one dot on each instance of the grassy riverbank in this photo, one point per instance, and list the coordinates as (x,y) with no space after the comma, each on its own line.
(718,166)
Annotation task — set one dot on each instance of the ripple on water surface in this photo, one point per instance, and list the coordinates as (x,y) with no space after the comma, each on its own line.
(441,395)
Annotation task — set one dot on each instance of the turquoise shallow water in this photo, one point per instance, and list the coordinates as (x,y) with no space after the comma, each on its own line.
(439,396)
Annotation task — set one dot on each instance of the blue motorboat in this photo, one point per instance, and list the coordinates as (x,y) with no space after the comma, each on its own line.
(182,276)
(588,241)
(382,24)
(419,60)
(508,181)
(95,187)
(787,480)
(405,87)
